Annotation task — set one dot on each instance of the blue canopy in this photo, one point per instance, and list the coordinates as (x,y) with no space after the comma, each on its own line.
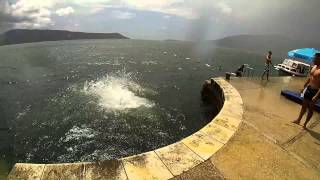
(306,54)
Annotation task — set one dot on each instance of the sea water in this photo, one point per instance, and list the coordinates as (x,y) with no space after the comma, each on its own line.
(87,100)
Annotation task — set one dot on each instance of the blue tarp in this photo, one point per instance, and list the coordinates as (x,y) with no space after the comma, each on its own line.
(306,54)
(296,97)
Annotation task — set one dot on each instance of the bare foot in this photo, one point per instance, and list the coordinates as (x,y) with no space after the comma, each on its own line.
(296,122)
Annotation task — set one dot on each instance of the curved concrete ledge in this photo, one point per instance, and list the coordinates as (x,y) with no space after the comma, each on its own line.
(163,163)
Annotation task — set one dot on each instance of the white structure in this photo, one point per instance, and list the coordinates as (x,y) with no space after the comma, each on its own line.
(294,67)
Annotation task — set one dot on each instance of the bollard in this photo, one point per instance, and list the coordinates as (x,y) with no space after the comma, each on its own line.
(228,75)
(212,81)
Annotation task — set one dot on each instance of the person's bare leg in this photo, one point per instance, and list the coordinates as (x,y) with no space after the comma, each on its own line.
(268,75)
(309,116)
(264,72)
(302,111)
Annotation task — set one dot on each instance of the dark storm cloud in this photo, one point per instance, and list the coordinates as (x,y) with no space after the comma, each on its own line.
(299,18)
(293,18)
(8,18)
(3,16)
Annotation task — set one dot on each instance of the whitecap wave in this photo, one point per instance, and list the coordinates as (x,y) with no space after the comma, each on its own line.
(117,92)
(149,62)
(77,133)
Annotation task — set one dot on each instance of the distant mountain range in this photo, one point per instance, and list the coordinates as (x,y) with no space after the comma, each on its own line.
(260,44)
(280,45)
(18,36)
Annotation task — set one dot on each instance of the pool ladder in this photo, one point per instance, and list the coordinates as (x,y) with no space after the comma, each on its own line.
(247,72)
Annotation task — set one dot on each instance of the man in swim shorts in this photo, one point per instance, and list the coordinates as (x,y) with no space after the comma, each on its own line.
(267,65)
(311,92)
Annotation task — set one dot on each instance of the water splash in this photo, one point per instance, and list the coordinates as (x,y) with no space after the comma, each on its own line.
(118,92)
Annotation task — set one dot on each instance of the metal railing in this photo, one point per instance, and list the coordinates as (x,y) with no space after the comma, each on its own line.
(249,71)
(246,72)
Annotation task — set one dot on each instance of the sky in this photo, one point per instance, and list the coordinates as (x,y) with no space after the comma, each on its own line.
(167,19)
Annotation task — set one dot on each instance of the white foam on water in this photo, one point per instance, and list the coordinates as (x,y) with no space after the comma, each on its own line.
(99,63)
(77,133)
(116,63)
(24,112)
(149,62)
(82,136)
(117,92)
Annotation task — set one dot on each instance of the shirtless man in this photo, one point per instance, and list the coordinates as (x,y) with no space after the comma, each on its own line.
(267,65)
(312,93)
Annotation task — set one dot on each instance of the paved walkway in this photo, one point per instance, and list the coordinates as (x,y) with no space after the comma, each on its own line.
(267,145)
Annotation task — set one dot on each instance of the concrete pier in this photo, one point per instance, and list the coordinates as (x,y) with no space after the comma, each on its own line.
(267,145)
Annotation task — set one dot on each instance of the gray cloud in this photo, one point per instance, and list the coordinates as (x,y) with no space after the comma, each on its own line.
(7,20)
(22,14)
(293,18)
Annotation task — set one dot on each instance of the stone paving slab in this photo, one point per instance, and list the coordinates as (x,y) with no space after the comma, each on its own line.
(228,122)
(204,171)
(146,166)
(68,171)
(105,170)
(26,171)
(203,145)
(232,110)
(178,158)
(220,133)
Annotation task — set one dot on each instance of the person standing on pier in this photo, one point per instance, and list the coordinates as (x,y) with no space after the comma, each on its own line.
(267,65)
(311,92)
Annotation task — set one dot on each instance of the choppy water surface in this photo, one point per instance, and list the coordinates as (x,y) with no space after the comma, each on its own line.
(75,101)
